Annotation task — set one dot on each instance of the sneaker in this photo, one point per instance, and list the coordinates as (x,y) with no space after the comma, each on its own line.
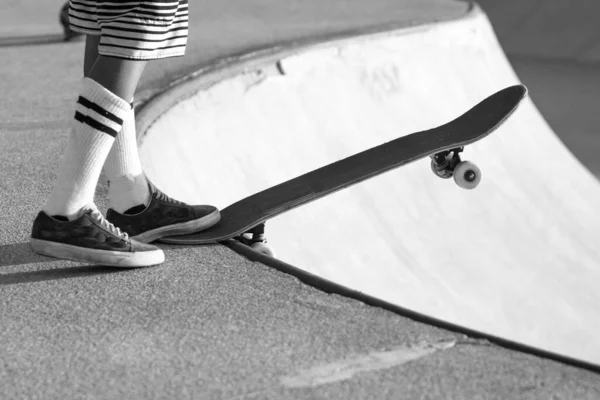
(164,216)
(90,238)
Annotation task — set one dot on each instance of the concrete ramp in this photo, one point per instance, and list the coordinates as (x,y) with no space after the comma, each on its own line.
(518,258)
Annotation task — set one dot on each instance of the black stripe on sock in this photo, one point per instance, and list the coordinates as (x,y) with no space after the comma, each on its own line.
(86,119)
(95,107)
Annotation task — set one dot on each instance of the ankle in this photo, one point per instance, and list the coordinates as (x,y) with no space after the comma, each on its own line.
(128,191)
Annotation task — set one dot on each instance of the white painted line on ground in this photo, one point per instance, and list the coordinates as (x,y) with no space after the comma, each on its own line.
(346,369)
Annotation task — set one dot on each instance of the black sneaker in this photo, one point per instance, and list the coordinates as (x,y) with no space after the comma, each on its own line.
(90,238)
(164,216)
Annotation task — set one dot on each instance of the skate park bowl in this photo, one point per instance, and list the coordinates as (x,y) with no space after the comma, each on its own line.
(517,258)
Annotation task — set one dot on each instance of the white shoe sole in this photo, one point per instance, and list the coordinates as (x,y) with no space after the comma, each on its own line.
(101,257)
(183,228)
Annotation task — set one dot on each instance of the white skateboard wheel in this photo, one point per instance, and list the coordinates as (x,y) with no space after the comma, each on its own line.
(263,248)
(467,175)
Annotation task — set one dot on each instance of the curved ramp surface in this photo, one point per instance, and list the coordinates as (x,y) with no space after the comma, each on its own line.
(517,258)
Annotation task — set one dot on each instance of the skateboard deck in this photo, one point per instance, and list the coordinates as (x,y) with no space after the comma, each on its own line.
(474,125)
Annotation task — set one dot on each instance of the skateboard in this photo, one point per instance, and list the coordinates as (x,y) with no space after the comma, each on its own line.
(245,219)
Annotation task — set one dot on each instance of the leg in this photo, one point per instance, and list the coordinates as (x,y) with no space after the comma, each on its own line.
(118,75)
(91,53)
(127,185)
(69,225)
(115,63)
(135,204)
(101,109)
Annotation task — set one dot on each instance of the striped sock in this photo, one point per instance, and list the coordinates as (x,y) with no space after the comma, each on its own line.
(98,118)
(127,185)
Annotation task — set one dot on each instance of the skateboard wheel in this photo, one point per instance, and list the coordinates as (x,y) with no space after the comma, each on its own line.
(246,237)
(467,175)
(263,248)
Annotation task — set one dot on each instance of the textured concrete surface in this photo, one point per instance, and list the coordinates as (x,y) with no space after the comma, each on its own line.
(207,323)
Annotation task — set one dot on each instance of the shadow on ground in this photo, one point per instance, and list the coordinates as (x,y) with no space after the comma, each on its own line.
(20,254)
(36,40)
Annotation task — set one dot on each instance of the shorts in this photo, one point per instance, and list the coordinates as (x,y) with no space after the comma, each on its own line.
(136,30)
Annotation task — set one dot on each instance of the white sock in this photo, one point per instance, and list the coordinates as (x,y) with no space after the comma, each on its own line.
(98,118)
(127,185)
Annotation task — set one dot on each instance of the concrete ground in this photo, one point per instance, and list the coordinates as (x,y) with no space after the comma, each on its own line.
(207,323)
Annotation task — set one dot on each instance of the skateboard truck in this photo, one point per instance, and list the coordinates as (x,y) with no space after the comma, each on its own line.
(448,164)
(256,239)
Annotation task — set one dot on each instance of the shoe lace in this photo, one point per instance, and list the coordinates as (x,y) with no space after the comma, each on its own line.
(97,215)
(163,197)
